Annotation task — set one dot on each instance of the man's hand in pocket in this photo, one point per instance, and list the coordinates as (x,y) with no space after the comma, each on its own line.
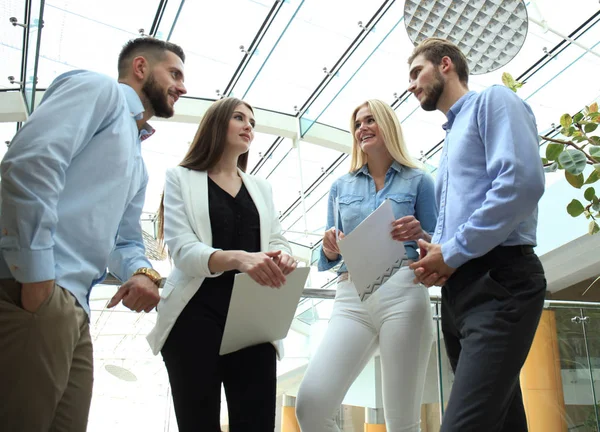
(33,295)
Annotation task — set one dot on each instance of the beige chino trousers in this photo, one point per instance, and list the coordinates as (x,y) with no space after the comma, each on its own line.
(46,363)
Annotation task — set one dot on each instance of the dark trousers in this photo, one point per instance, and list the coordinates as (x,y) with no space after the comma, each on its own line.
(196,371)
(491,308)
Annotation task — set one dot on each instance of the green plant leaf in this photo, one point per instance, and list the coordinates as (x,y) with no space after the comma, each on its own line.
(575,208)
(594,152)
(573,161)
(597,167)
(587,214)
(553,150)
(544,161)
(508,81)
(593,227)
(567,131)
(594,116)
(590,127)
(566,120)
(577,117)
(594,107)
(575,180)
(594,140)
(552,168)
(579,139)
(593,178)
(596,206)
(589,194)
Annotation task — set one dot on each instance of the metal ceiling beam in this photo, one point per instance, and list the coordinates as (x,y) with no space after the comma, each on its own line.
(366,29)
(32,34)
(249,52)
(160,10)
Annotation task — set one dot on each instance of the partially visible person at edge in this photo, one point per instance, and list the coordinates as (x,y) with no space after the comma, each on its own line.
(218,221)
(396,319)
(488,185)
(73,188)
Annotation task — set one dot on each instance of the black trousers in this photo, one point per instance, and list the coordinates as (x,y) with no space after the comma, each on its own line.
(196,371)
(491,307)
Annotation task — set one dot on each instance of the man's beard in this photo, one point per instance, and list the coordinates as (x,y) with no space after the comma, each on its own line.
(159,100)
(433,94)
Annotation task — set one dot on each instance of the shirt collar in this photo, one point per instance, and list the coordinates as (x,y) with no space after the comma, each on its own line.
(136,110)
(455,109)
(396,166)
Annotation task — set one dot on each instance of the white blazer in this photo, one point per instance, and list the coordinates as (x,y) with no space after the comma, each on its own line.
(188,235)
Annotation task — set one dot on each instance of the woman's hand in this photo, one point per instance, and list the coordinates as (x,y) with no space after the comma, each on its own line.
(262,267)
(330,247)
(408,228)
(286,263)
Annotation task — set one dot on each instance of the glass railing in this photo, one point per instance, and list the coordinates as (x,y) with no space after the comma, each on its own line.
(558,381)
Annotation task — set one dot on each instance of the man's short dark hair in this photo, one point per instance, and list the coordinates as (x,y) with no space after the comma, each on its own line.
(149,47)
(435,49)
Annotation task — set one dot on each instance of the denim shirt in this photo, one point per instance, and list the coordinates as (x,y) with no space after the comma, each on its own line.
(410,190)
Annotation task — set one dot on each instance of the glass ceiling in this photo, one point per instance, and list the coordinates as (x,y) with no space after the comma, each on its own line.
(309,59)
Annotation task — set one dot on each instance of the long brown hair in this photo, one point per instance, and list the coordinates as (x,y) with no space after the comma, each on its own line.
(208,146)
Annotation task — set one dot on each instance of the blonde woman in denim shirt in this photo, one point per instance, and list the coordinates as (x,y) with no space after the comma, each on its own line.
(396,318)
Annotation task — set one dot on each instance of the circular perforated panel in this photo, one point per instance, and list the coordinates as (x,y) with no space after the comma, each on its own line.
(489,32)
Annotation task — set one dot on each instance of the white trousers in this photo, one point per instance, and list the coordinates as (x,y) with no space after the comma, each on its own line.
(398,320)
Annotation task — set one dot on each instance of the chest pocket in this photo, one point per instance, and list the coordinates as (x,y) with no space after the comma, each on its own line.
(402,204)
(350,211)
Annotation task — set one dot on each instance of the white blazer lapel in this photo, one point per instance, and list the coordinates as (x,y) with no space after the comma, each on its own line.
(197,199)
(263,209)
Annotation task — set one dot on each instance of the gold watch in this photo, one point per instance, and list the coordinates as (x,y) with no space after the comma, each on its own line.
(150,273)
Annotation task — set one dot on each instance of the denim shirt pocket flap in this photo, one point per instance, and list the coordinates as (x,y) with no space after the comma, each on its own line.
(401,198)
(350,199)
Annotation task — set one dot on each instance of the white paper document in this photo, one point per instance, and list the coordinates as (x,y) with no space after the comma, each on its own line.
(370,253)
(259,314)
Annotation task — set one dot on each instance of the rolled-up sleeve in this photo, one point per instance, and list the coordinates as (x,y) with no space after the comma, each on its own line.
(324,263)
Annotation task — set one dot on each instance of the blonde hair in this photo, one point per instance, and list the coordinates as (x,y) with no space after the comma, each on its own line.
(391,132)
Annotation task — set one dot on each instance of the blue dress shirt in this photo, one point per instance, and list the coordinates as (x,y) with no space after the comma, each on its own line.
(490,177)
(73,187)
(410,190)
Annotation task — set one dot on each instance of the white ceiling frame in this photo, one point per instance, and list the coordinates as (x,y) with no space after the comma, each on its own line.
(188,110)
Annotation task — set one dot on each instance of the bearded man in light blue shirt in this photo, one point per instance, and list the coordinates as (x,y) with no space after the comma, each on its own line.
(73,189)
(488,185)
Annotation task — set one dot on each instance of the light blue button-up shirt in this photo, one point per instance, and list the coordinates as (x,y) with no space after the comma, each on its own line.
(73,187)
(410,191)
(490,177)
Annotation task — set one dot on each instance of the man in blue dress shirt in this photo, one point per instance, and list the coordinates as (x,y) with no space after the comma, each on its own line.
(488,185)
(73,188)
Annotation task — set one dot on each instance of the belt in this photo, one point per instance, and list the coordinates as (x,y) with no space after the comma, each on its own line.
(505,252)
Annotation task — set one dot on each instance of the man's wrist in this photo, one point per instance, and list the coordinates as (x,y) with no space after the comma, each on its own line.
(150,273)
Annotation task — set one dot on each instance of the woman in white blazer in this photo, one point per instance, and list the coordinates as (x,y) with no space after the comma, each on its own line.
(218,221)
